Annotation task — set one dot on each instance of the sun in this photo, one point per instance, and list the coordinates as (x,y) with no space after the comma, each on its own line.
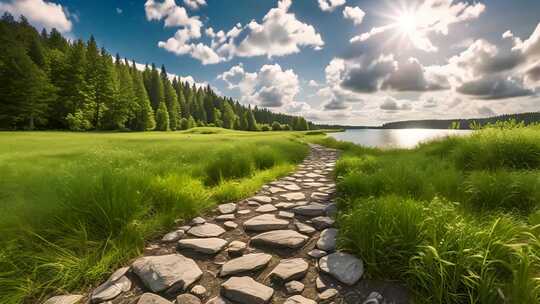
(406,23)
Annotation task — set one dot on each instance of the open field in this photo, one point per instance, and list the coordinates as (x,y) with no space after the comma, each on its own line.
(457,219)
(73,206)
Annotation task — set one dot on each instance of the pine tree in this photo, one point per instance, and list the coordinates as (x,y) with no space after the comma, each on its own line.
(106,89)
(251,123)
(124,107)
(229,118)
(37,53)
(156,90)
(172,105)
(191,122)
(162,118)
(144,115)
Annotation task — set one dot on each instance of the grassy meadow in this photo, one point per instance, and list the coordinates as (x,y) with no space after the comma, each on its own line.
(457,220)
(73,206)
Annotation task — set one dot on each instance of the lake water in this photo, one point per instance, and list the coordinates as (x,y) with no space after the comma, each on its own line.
(393,138)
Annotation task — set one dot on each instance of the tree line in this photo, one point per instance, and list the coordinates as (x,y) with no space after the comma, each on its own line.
(48,82)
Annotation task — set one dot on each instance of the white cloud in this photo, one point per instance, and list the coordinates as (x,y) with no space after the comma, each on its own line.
(355,14)
(312,83)
(391,104)
(431,17)
(279,34)
(195,4)
(330,5)
(270,87)
(40,13)
(119,11)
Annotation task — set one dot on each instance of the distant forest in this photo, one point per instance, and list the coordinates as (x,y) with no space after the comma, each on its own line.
(48,82)
(463,124)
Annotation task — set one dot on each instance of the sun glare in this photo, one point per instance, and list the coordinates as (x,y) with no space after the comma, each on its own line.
(406,23)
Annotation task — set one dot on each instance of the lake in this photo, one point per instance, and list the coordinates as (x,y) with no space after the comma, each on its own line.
(393,138)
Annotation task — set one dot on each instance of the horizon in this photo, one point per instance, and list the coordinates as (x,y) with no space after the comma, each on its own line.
(333,62)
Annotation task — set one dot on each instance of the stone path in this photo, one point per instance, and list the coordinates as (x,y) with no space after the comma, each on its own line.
(275,247)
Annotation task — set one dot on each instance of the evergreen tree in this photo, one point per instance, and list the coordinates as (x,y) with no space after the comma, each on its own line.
(251,123)
(162,118)
(156,90)
(276,126)
(191,122)
(229,118)
(144,115)
(172,105)
(106,88)
(37,53)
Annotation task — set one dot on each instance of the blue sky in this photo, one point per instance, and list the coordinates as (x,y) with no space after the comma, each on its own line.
(337,61)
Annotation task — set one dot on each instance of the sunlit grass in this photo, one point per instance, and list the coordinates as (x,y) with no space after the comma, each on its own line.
(457,219)
(74,206)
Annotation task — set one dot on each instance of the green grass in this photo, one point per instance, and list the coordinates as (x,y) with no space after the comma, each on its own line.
(457,220)
(73,206)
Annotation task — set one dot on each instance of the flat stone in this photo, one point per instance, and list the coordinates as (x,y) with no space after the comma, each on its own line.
(285,215)
(294,196)
(230,225)
(331,209)
(113,287)
(198,221)
(266,208)
(322,222)
(227,208)
(150,298)
(184,228)
(187,299)
(225,217)
(248,262)
(313,175)
(345,267)
(285,205)
(206,245)
(317,253)
(320,284)
(312,209)
(262,199)
(265,222)
(65,299)
(173,236)
(304,228)
(246,290)
(327,240)
(294,287)
(290,269)
(313,184)
(274,190)
(198,290)
(327,295)
(291,187)
(298,299)
(244,212)
(253,204)
(206,230)
(319,196)
(217,300)
(236,248)
(280,238)
(159,273)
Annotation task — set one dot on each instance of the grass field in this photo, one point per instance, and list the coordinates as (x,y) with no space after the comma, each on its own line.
(457,219)
(73,206)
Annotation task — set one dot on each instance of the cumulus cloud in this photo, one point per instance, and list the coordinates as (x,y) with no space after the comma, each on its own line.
(270,87)
(195,4)
(330,5)
(40,13)
(278,34)
(493,87)
(431,17)
(355,14)
(411,76)
(119,11)
(312,83)
(390,104)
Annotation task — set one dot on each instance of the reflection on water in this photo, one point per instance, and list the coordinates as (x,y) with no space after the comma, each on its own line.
(393,138)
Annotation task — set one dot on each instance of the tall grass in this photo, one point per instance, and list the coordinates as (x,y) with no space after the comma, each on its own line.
(457,219)
(75,206)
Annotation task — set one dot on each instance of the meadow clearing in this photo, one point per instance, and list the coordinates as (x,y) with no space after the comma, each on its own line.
(456,219)
(75,205)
